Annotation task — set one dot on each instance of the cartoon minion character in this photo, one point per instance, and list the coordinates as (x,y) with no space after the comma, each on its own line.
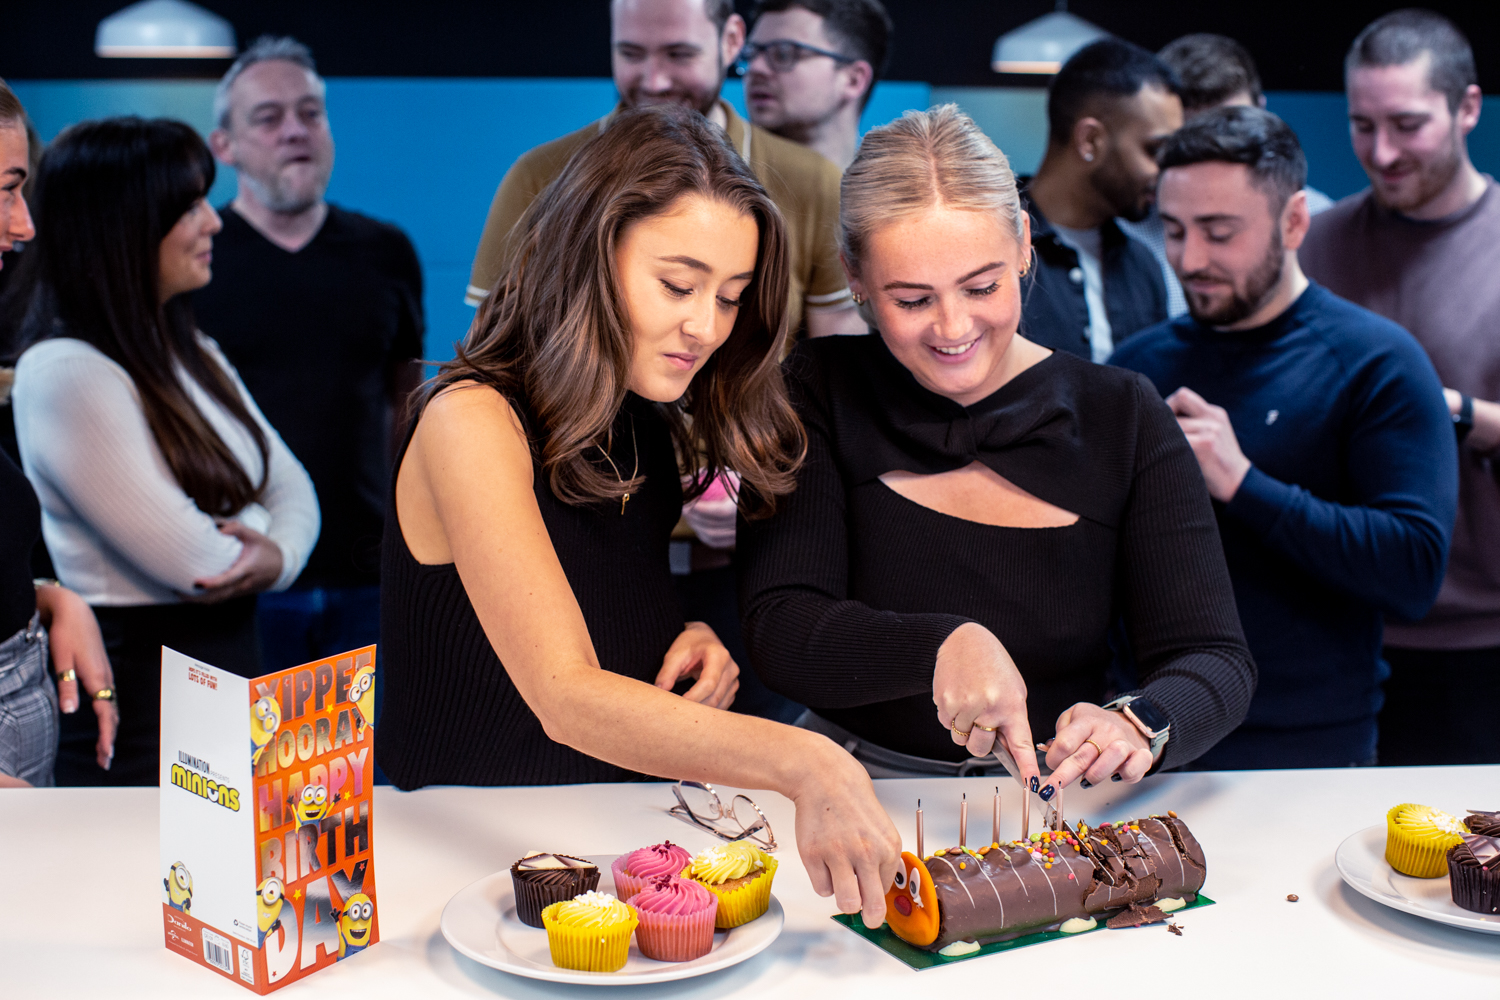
(356,921)
(268,899)
(362,693)
(311,806)
(179,886)
(265,719)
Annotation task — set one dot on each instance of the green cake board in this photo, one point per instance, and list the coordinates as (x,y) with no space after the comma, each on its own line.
(884,938)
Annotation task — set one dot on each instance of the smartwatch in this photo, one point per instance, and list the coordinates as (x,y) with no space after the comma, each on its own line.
(1463,420)
(1145,716)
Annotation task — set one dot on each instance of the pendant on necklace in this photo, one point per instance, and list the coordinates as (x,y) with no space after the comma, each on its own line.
(623,501)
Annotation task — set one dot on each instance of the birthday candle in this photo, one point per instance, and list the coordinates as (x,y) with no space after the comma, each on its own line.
(920,853)
(995,837)
(963,822)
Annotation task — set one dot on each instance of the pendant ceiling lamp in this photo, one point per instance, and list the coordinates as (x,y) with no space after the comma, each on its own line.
(165,29)
(1043,45)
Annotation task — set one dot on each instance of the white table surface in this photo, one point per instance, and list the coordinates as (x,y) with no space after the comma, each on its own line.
(80,911)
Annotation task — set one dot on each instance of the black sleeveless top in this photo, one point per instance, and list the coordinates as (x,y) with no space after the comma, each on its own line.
(450,714)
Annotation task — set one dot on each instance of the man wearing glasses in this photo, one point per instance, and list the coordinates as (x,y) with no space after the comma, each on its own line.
(810,68)
(678,52)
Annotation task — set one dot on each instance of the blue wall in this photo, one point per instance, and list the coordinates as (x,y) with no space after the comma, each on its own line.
(427,154)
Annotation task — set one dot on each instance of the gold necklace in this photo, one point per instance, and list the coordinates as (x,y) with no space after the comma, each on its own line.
(626,498)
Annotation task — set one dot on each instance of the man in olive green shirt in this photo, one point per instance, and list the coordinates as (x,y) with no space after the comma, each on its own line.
(677,51)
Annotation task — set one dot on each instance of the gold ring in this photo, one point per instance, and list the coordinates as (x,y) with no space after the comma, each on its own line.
(988,729)
(67,675)
(1096,747)
(955,730)
(104,694)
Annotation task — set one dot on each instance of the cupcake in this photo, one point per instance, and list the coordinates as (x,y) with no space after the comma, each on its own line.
(543,879)
(740,874)
(677,919)
(590,933)
(635,870)
(1418,839)
(1474,874)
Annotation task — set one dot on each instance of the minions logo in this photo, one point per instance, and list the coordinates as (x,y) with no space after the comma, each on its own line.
(207,788)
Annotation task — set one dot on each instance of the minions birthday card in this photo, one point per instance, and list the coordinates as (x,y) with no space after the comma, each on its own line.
(266,829)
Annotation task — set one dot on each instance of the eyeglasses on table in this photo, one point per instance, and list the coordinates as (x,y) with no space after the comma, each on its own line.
(700,805)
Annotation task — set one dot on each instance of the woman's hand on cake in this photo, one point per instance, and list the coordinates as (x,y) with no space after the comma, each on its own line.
(1097,745)
(698,653)
(849,846)
(981,697)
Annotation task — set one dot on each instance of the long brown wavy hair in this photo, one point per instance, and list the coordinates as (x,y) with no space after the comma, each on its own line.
(107,194)
(554,332)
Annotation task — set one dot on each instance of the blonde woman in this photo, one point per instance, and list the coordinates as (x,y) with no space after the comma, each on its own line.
(977,513)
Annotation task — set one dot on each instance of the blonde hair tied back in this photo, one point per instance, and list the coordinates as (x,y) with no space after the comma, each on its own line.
(923,159)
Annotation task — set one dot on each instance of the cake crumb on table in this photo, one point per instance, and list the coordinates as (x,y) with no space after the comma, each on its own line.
(1175,929)
(1291,897)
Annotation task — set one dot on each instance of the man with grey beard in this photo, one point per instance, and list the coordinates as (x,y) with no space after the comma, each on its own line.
(1320,430)
(320,310)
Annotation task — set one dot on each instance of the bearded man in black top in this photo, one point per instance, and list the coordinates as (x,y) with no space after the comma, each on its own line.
(320,310)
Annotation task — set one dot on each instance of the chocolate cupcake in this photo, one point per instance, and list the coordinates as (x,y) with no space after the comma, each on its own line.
(1474,874)
(1484,823)
(543,879)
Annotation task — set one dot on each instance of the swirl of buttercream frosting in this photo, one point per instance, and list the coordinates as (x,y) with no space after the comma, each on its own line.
(665,858)
(591,909)
(726,861)
(670,895)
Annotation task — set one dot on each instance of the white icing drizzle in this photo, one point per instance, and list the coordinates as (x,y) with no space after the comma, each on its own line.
(1019,879)
(995,889)
(960,881)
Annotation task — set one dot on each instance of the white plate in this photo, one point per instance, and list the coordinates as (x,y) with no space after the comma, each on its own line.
(1361,860)
(480,921)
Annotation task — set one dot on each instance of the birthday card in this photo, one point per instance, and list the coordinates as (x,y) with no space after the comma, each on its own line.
(267,864)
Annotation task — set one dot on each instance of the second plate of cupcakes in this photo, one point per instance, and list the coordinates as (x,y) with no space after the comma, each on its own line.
(641,917)
(1431,864)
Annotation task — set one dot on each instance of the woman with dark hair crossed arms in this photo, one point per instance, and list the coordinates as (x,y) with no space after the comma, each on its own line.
(635,334)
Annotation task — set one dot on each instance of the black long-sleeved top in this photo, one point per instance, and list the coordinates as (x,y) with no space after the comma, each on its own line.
(849,589)
(451,714)
(20,528)
(1347,510)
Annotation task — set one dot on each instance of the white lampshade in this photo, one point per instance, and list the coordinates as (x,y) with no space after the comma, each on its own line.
(1043,45)
(165,29)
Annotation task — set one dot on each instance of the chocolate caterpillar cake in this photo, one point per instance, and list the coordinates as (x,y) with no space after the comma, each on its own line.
(1006,890)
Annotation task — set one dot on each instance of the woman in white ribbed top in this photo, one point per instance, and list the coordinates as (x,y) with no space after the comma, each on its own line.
(167,500)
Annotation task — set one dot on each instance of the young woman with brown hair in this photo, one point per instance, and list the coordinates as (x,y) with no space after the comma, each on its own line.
(167,500)
(530,625)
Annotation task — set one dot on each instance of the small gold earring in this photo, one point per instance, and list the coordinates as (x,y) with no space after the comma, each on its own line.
(858,300)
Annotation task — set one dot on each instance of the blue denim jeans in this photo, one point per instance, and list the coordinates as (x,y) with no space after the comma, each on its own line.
(308,624)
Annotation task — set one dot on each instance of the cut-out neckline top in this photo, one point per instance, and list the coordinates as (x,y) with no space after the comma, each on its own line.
(979,495)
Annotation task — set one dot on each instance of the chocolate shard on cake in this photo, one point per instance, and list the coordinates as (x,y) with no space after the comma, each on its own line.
(1135,916)
(1484,823)
(543,879)
(1474,873)
(1004,891)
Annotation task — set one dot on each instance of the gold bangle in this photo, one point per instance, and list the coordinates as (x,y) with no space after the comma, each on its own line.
(67,675)
(104,694)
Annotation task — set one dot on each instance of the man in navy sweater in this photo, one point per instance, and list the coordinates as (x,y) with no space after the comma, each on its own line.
(1322,433)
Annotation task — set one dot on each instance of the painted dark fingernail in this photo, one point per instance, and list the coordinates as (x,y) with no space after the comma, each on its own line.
(1085,783)
(1035,784)
(1115,777)
(1046,793)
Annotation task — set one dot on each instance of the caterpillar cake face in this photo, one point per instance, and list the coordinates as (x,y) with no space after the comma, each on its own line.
(1002,891)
